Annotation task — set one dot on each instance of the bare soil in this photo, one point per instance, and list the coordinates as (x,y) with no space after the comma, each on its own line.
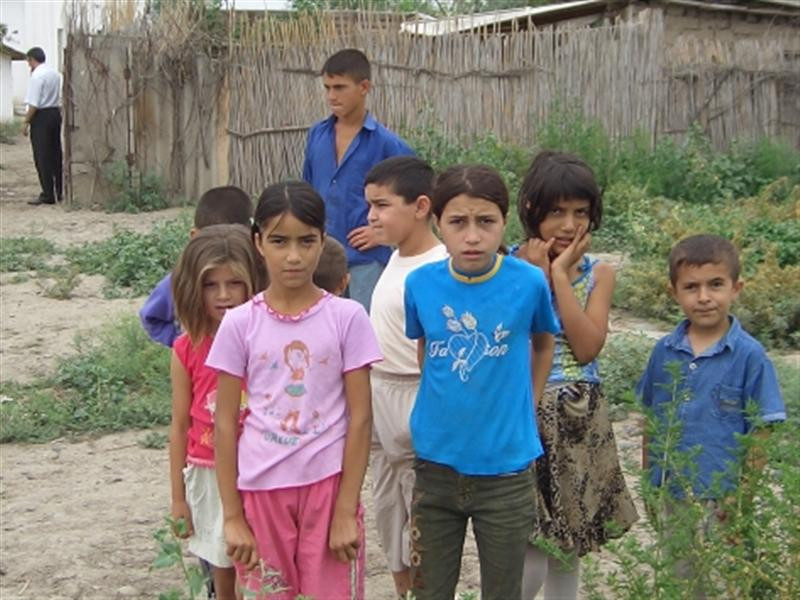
(77,518)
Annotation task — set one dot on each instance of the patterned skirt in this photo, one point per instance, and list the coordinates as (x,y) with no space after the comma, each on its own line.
(584,500)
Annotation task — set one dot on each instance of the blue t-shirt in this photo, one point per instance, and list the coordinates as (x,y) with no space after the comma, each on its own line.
(342,185)
(712,396)
(474,407)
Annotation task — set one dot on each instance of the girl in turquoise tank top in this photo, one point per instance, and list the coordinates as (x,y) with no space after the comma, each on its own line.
(580,481)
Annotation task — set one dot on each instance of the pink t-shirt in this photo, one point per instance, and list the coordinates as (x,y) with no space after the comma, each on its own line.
(295,431)
(200,448)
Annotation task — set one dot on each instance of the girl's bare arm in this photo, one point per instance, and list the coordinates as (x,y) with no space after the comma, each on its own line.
(541,362)
(344,535)
(178,440)
(241,544)
(585,330)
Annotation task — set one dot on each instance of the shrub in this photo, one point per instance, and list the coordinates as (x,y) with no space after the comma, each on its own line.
(622,362)
(133,263)
(134,191)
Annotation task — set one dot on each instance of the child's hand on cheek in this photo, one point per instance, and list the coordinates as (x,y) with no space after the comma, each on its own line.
(572,253)
(537,252)
(344,538)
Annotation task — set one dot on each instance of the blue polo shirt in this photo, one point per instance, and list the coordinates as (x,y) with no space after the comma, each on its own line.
(712,396)
(474,407)
(342,185)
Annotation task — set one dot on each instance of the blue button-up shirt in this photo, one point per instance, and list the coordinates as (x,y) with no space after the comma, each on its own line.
(342,185)
(711,398)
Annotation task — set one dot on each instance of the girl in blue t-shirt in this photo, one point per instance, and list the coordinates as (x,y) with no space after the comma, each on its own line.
(476,317)
(579,477)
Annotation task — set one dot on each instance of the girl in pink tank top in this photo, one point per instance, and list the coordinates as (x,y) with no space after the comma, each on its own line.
(217,270)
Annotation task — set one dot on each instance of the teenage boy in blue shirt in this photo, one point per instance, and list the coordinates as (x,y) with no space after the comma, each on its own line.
(722,367)
(339,152)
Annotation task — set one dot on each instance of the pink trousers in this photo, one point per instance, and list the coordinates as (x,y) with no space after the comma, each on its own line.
(291,528)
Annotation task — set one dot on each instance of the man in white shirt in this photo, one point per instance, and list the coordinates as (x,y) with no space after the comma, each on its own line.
(44,119)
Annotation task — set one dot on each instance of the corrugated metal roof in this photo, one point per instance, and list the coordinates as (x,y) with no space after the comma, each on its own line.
(12,52)
(460,23)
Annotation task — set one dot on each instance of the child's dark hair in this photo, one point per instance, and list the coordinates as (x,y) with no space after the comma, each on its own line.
(350,62)
(407,176)
(555,176)
(36,54)
(478,181)
(297,198)
(703,249)
(212,247)
(332,267)
(226,204)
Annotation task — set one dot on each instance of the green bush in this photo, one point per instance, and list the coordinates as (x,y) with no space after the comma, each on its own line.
(117,380)
(622,362)
(133,263)
(134,192)
(24,253)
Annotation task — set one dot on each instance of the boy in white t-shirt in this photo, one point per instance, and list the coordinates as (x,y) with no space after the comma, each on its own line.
(398,193)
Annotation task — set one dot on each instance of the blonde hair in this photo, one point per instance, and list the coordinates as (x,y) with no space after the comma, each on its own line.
(213,246)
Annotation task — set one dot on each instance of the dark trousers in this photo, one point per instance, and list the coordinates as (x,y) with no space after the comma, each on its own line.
(503,514)
(46,142)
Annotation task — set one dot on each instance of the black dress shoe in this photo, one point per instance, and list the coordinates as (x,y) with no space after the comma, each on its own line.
(41,200)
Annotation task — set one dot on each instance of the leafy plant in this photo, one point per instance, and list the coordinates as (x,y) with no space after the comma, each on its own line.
(117,380)
(9,130)
(154,440)
(134,191)
(24,253)
(622,361)
(133,263)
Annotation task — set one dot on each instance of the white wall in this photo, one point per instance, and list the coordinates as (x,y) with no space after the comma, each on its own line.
(6,106)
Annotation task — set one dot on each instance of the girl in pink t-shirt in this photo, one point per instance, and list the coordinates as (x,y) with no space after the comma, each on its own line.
(217,270)
(290,486)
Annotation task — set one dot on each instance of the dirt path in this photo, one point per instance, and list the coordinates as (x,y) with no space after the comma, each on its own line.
(77,518)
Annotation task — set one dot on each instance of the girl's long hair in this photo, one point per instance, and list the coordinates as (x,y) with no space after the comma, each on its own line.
(213,246)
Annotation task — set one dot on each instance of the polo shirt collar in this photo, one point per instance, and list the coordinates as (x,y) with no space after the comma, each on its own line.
(370,123)
(679,340)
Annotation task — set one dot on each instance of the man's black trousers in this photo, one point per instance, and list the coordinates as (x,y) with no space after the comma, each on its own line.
(46,142)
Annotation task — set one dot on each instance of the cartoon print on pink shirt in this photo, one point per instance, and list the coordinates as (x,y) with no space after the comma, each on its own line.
(298,359)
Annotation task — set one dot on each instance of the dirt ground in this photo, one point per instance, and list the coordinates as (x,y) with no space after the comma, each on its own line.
(77,518)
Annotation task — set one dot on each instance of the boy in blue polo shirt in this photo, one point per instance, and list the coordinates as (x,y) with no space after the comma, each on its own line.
(339,152)
(721,369)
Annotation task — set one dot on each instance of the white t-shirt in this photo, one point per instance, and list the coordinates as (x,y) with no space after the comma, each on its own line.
(44,88)
(388,315)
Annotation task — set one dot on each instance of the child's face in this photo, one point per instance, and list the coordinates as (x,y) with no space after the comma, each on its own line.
(222,289)
(705,294)
(291,250)
(391,218)
(472,230)
(563,221)
(344,94)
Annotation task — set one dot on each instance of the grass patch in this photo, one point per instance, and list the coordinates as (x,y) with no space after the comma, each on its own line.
(117,380)
(24,253)
(134,192)
(133,263)
(9,130)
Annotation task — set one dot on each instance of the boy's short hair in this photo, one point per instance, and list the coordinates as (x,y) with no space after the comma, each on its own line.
(332,267)
(699,250)
(407,176)
(350,62)
(223,205)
